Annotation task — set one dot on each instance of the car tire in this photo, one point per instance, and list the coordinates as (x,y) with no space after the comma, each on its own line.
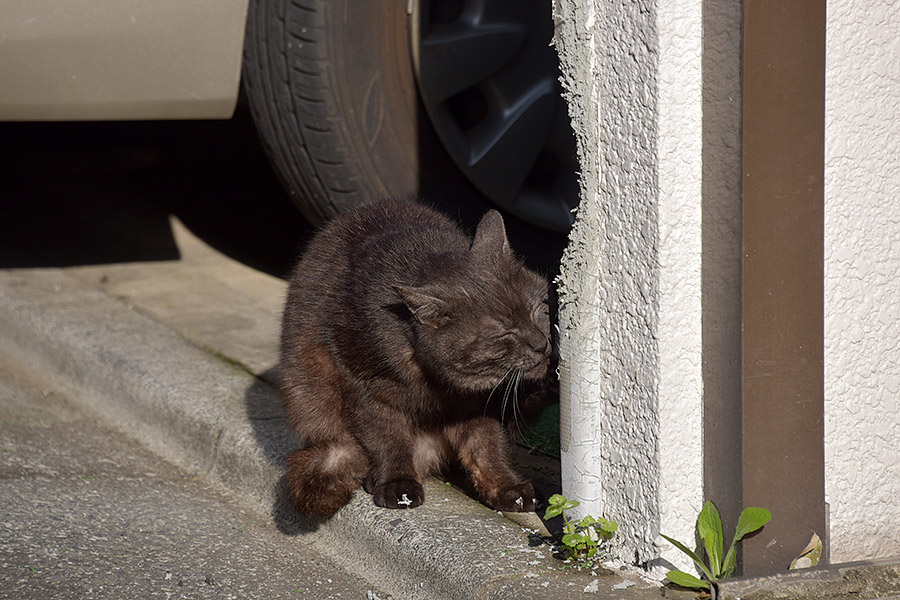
(332,92)
(333,87)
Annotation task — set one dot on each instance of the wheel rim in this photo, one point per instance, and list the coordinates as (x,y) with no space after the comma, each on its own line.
(489,81)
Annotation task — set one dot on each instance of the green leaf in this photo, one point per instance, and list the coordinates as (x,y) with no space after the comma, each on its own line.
(573,539)
(709,525)
(558,504)
(751,519)
(693,556)
(730,562)
(552,511)
(687,580)
(563,502)
(609,526)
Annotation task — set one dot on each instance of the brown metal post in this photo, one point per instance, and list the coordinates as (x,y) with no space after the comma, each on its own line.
(782,276)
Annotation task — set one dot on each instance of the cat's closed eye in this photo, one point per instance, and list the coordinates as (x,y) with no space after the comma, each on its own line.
(541,313)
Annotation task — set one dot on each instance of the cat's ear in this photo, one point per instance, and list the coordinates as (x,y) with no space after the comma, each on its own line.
(425,307)
(490,236)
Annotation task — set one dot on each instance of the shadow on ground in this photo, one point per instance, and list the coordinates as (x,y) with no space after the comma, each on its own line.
(268,433)
(94,193)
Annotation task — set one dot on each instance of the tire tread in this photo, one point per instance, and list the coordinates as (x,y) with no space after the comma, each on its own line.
(296,105)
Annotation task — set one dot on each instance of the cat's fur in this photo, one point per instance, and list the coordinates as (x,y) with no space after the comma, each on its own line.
(397,330)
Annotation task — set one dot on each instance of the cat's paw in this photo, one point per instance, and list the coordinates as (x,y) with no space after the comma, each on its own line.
(399,493)
(516,498)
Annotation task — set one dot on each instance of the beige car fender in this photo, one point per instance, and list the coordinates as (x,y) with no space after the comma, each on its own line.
(120,59)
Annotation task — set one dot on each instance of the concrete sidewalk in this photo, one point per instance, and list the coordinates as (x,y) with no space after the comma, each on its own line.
(178,354)
(87,514)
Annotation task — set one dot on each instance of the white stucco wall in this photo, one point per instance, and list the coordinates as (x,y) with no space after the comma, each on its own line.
(636,282)
(862,279)
(630,289)
(680,160)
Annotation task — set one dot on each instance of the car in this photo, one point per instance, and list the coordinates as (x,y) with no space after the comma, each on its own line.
(444,99)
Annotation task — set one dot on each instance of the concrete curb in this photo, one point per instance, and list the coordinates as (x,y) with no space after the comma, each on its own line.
(220,422)
(860,580)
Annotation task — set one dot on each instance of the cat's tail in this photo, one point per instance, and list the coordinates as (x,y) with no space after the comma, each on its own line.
(322,478)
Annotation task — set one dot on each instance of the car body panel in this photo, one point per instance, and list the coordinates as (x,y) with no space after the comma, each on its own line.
(120,59)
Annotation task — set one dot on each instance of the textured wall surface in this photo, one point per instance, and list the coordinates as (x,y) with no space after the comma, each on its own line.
(680,163)
(633,275)
(862,280)
(630,330)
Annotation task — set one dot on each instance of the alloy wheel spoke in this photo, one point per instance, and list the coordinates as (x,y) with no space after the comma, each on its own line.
(460,55)
(508,143)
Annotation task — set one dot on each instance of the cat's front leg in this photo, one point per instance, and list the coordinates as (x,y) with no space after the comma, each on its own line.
(482,450)
(393,479)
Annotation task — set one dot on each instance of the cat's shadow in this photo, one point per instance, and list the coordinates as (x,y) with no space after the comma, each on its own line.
(276,440)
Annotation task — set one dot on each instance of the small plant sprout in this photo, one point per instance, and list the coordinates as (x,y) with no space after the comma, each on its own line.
(581,540)
(709,526)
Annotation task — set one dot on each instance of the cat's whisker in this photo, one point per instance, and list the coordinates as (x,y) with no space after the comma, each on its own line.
(499,383)
(508,393)
(515,397)
(518,382)
(519,425)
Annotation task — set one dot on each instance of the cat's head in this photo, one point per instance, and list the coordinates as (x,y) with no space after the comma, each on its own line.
(484,317)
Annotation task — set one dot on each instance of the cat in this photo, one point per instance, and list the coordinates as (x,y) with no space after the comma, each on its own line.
(398,330)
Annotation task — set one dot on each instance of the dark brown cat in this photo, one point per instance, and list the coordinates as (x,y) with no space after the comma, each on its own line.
(397,329)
